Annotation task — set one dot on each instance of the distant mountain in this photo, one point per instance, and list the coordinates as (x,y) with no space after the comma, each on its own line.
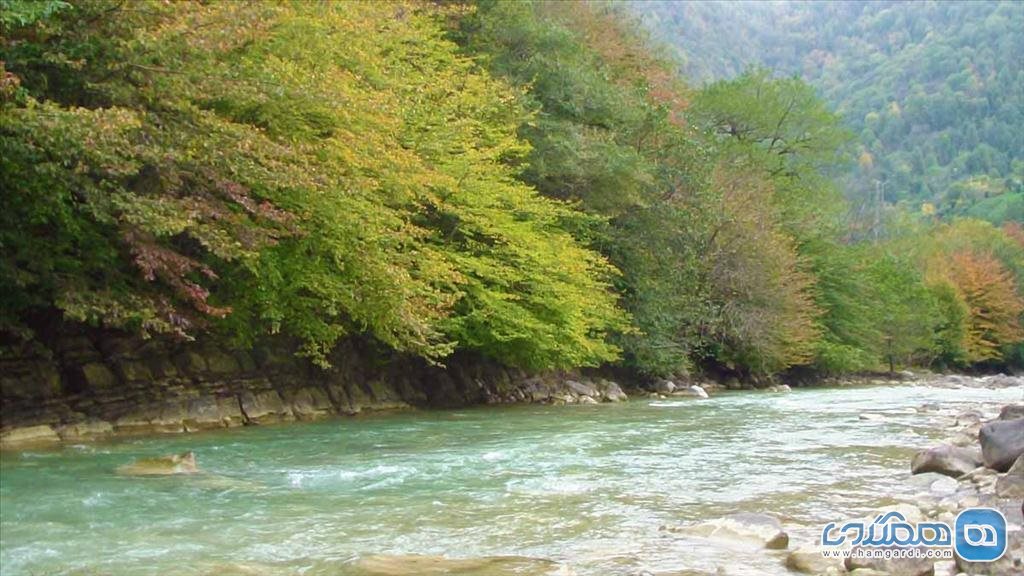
(934,90)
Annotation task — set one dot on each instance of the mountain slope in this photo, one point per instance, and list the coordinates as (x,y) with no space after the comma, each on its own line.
(934,90)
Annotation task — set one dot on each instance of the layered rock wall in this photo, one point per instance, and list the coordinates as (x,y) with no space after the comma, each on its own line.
(85,385)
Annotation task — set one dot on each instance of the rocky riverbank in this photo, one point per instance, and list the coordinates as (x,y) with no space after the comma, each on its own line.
(91,386)
(979,462)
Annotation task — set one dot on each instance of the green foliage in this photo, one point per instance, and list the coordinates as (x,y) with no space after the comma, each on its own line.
(529,180)
(238,167)
(933,88)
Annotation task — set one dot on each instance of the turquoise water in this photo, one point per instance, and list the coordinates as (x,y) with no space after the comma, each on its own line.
(586,487)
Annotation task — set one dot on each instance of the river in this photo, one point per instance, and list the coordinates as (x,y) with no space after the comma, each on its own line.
(588,487)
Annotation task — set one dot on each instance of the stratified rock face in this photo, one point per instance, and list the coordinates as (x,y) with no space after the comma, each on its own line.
(87,430)
(173,464)
(29,436)
(94,385)
(952,461)
(264,407)
(1002,442)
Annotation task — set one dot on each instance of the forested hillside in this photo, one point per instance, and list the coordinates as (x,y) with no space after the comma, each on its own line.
(934,91)
(532,182)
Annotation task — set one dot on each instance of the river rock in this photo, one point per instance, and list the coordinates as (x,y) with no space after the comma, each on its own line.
(890,566)
(87,430)
(28,437)
(968,417)
(1010,564)
(746,529)
(949,460)
(967,436)
(1011,412)
(1011,484)
(1002,381)
(692,391)
(414,564)
(1002,442)
(664,386)
(893,566)
(173,464)
(610,391)
(582,390)
(808,560)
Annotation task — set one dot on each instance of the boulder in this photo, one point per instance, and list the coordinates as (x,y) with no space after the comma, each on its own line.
(1010,564)
(173,464)
(28,437)
(968,417)
(581,389)
(745,529)
(946,459)
(892,566)
(808,560)
(611,392)
(692,391)
(1003,381)
(1002,442)
(1011,412)
(664,386)
(967,436)
(1011,484)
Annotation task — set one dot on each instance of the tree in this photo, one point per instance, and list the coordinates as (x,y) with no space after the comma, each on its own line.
(992,302)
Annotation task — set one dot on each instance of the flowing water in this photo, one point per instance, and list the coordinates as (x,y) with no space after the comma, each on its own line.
(587,487)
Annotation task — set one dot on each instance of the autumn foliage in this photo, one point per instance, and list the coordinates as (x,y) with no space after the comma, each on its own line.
(994,307)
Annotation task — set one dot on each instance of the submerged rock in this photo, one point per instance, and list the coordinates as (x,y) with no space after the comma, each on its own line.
(1002,381)
(173,464)
(1002,442)
(28,437)
(88,430)
(1011,412)
(414,564)
(949,460)
(745,529)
